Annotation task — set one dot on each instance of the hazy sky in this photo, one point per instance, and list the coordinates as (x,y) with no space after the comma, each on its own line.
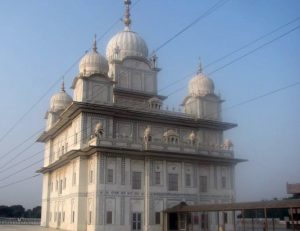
(41,39)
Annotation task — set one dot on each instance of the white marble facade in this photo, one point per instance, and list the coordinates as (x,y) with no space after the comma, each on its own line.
(115,159)
(83,192)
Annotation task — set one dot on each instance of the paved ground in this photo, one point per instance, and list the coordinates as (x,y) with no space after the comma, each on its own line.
(23,228)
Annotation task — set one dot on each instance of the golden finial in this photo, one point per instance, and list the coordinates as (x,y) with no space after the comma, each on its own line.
(127,20)
(62,88)
(200,69)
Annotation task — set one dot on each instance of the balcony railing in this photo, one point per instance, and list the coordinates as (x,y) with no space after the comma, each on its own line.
(19,221)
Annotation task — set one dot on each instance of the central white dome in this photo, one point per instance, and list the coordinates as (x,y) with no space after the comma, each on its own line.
(124,44)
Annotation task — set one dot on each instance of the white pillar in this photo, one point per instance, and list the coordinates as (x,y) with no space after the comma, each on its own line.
(45,200)
(147,194)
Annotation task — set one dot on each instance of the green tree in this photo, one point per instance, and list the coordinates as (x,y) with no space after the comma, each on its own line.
(17,211)
(4,211)
(36,212)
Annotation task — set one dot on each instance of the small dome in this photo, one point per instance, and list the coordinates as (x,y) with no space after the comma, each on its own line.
(126,43)
(155,103)
(93,63)
(60,101)
(201,85)
(192,136)
(170,133)
(228,143)
(155,99)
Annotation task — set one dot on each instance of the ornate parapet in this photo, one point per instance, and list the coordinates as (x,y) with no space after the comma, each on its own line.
(203,149)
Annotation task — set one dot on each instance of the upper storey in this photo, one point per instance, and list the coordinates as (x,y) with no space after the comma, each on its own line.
(127,78)
(116,127)
(115,107)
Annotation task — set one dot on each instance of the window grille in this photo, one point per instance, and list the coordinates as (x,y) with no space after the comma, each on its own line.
(136,180)
(110,175)
(203,183)
(157,178)
(188,182)
(173,182)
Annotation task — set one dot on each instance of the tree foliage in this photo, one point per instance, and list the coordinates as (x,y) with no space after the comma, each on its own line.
(19,211)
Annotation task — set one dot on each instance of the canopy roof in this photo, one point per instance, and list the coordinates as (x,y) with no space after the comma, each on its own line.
(183,207)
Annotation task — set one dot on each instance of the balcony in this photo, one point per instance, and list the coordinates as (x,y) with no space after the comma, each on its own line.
(202,149)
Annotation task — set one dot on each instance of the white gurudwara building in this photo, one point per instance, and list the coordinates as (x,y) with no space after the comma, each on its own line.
(115,158)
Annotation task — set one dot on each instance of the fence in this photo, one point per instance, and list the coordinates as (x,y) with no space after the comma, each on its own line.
(19,221)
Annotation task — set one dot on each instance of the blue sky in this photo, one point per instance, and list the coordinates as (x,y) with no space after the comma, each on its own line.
(41,39)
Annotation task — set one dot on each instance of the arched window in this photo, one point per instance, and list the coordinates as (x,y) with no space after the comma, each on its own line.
(155,103)
(171,137)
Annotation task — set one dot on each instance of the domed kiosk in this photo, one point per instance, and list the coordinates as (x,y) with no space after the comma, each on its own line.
(93,78)
(58,103)
(93,63)
(201,100)
(201,85)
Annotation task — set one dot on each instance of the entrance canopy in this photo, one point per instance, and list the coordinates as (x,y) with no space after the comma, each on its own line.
(183,207)
(180,217)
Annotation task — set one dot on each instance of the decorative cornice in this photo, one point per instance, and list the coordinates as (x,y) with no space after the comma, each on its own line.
(122,112)
(139,94)
(164,155)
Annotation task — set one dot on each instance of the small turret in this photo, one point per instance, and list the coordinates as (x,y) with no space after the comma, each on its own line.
(202,101)
(58,103)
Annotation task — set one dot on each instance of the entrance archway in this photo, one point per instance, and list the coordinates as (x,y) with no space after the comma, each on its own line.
(173,221)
